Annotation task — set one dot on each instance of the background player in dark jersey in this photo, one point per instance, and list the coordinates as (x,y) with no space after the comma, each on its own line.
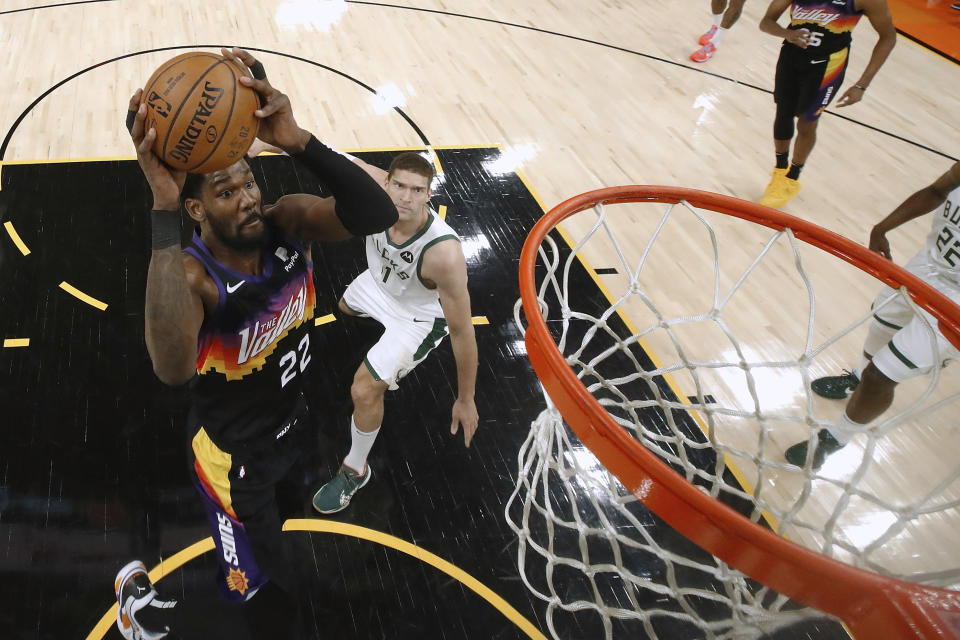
(810,69)
(231,314)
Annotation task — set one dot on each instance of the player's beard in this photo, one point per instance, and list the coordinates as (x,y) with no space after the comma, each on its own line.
(237,240)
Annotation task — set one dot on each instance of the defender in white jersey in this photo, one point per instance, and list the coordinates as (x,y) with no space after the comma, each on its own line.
(416,287)
(898,346)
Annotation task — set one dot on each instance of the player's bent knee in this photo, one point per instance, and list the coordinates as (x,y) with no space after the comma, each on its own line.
(366,389)
(807,126)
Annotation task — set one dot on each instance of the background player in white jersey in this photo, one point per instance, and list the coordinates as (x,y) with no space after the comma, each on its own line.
(416,287)
(725,14)
(898,345)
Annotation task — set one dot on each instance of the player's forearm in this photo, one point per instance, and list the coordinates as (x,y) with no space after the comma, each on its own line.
(362,205)
(881,51)
(918,204)
(771,26)
(168,305)
(464,345)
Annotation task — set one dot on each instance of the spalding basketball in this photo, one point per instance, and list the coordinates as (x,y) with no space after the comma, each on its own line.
(203,115)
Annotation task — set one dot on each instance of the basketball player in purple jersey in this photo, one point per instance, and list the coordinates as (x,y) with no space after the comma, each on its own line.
(725,14)
(810,69)
(230,314)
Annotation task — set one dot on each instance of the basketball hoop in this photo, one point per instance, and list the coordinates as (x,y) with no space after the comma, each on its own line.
(597,375)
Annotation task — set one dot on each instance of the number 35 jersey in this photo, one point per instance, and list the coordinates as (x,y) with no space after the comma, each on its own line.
(943,241)
(253,350)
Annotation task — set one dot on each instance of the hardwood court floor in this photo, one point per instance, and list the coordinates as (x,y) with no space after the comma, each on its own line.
(578,97)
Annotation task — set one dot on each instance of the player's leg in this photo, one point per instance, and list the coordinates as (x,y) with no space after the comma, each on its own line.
(717,8)
(405,343)
(732,14)
(891,313)
(367,393)
(831,73)
(787,91)
(238,491)
(908,354)
(708,39)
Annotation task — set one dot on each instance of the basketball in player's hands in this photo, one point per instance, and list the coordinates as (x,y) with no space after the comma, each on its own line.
(203,116)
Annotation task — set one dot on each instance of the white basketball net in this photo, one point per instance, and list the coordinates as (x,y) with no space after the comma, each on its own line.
(595,555)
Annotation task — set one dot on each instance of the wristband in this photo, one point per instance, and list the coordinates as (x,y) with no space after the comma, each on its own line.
(165,227)
(859,86)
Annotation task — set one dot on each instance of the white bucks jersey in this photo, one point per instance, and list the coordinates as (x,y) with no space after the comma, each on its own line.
(396,267)
(943,242)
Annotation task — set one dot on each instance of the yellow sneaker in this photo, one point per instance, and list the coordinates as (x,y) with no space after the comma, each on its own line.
(780,190)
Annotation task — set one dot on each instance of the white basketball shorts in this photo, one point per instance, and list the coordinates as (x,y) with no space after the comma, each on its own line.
(904,344)
(408,337)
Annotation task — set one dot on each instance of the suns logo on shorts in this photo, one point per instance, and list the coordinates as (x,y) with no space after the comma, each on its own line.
(237,581)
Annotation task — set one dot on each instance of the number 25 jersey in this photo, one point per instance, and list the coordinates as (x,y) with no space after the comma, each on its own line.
(253,349)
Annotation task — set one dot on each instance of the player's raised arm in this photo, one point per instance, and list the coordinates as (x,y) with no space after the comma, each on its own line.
(359,206)
(173,311)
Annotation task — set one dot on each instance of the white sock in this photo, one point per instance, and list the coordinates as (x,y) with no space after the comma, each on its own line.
(361,443)
(719,36)
(844,429)
(717,19)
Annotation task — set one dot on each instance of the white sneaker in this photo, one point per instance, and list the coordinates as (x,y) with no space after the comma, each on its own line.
(134,592)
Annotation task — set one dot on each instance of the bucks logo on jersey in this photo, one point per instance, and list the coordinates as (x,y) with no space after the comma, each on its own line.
(396,267)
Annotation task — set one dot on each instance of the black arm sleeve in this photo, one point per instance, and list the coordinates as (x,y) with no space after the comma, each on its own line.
(362,205)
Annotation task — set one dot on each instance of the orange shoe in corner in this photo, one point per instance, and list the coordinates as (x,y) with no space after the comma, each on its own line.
(708,36)
(704,53)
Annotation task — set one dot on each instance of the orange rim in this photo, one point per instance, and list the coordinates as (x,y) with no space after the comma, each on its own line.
(871,605)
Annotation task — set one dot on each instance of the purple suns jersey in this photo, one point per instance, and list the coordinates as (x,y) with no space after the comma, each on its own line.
(830,23)
(253,350)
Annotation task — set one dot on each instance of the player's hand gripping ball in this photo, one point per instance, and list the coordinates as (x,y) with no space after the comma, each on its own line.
(202,114)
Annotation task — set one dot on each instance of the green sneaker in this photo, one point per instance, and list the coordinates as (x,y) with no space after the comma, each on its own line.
(835,387)
(826,444)
(336,494)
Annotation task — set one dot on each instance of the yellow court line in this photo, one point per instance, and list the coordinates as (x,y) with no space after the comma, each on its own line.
(489,145)
(442,212)
(379,149)
(436,160)
(174,562)
(90,300)
(16,238)
(455,572)
(16,342)
(332,318)
(682,397)
(67,160)
(324,319)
